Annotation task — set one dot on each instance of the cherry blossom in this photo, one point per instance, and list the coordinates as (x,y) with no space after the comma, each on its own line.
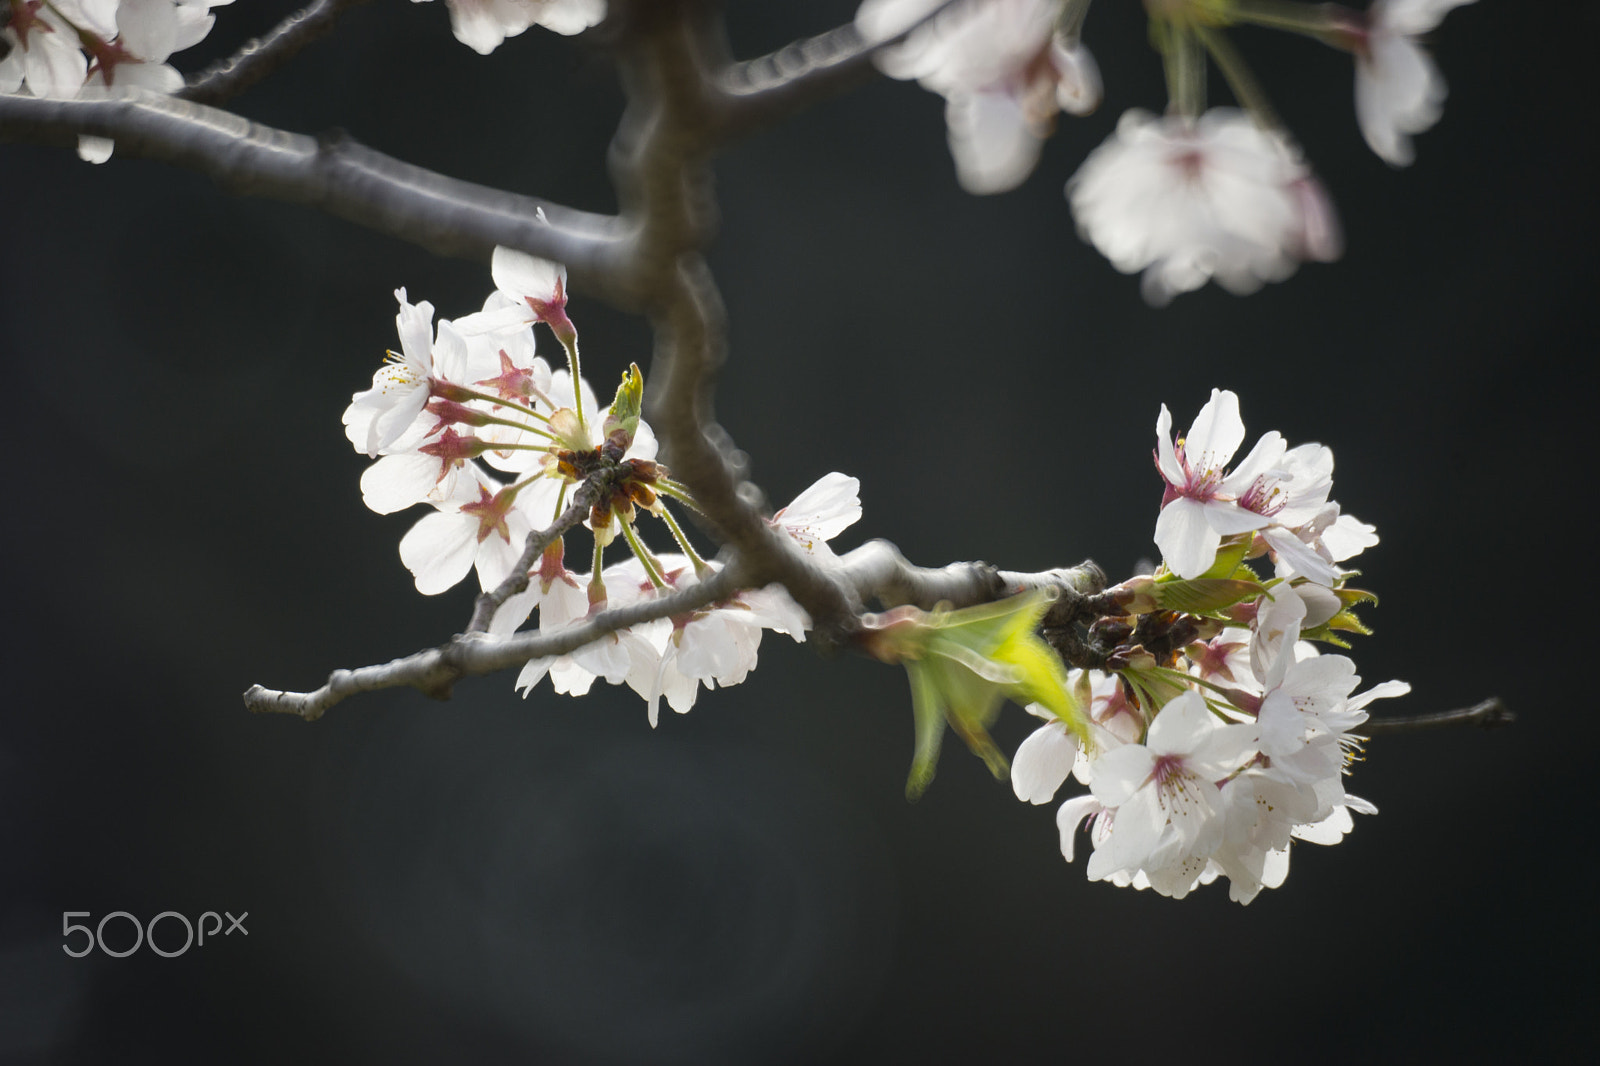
(45,57)
(482,25)
(379,416)
(1399,90)
(1188,201)
(1005,69)
(1203,501)
(1165,792)
(821,512)
(482,525)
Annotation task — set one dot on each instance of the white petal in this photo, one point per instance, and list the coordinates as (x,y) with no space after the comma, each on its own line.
(1042,762)
(438,551)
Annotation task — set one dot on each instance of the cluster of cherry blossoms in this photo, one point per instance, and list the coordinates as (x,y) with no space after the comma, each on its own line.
(509,452)
(1214,734)
(1195,194)
(65,49)
(1209,730)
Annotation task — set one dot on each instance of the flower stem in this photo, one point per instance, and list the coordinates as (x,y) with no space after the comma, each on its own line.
(576,368)
(700,565)
(668,487)
(652,568)
(500,401)
(1317,21)
(1246,89)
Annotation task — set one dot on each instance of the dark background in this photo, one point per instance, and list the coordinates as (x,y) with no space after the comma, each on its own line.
(493,880)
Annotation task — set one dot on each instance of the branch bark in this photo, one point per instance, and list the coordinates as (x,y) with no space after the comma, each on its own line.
(435,671)
(232,76)
(1492,713)
(335,174)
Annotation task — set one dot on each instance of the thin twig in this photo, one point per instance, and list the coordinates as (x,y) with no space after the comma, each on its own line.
(435,671)
(1492,713)
(761,91)
(488,603)
(230,77)
(335,175)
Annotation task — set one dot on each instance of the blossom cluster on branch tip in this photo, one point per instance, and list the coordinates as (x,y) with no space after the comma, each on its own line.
(1219,734)
(66,49)
(468,419)
(1194,195)
(1210,731)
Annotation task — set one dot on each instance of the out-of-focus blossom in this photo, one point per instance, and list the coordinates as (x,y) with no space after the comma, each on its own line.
(1004,68)
(1399,90)
(483,25)
(1188,201)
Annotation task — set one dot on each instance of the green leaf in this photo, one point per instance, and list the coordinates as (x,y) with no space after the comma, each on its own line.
(622,419)
(1206,595)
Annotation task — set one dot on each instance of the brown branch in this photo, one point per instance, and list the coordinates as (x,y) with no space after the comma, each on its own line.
(336,175)
(1492,713)
(228,78)
(660,163)
(488,603)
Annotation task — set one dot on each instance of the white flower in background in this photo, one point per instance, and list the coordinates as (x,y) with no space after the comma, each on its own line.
(821,512)
(1189,201)
(45,57)
(482,25)
(1004,69)
(1399,90)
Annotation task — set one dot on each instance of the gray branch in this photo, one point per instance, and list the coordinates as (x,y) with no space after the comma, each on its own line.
(660,161)
(435,671)
(335,174)
(489,602)
(1492,713)
(876,570)
(265,54)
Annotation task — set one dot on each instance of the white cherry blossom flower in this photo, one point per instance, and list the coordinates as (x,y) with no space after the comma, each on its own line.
(45,57)
(1044,759)
(483,25)
(1399,90)
(821,512)
(378,417)
(482,525)
(1203,500)
(1165,793)
(1188,201)
(1005,70)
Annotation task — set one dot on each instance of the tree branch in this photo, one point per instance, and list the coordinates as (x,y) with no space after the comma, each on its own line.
(877,570)
(761,91)
(660,164)
(1492,713)
(226,79)
(488,603)
(336,175)
(435,671)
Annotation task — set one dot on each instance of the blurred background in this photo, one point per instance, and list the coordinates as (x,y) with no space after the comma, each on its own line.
(499,880)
